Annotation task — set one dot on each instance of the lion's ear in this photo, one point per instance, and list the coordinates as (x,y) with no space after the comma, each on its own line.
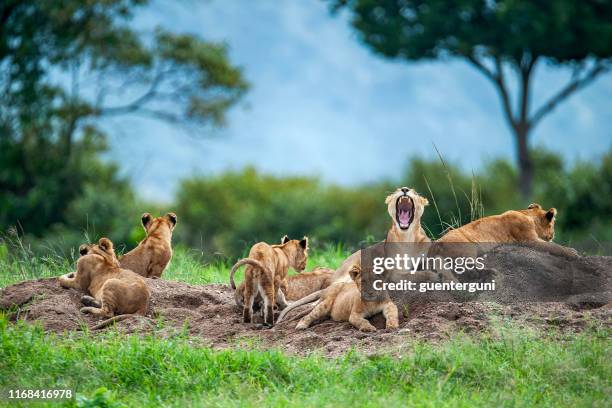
(84,249)
(389,198)
(172,218)
(551,214)
(304,242)
(534,205)
(424,201)
(145,219)
(284,239)
(106,244)
(355,273)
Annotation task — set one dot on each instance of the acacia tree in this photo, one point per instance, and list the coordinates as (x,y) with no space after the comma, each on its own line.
(498,38)
(66,64)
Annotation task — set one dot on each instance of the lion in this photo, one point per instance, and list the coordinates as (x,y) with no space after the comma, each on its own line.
(153,254)
(298,286)
(114,291)
(342,302)
(405,207)
(533,225)
(266,274)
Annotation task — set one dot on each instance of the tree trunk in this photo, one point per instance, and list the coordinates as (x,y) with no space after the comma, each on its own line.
(525,164)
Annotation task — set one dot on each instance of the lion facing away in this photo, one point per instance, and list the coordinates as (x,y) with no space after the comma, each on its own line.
(342,302)
(153,254)
(266,274)
(114,291)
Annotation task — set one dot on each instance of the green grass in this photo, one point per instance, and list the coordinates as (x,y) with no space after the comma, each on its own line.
(517,369)
(187,265)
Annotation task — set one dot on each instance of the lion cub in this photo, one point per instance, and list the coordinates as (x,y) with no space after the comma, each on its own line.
(342,302)
(266,274)
(298,286)
(114,290)
(153,254)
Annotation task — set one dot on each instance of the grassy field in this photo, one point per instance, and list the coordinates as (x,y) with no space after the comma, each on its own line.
(186,266)
(516,368)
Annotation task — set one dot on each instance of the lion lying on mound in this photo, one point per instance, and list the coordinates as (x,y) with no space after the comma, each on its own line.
(266,274)
(342,302)
(298,286)
(534,225)
(114,290)
(153,254)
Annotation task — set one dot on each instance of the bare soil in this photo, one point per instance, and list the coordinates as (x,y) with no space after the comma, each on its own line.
(210,316)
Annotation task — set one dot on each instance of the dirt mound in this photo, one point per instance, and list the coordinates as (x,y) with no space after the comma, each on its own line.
(210,315)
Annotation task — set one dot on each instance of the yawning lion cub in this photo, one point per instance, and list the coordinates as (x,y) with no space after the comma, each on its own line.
(405,207)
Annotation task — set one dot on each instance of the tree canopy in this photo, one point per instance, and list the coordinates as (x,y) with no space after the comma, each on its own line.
(65,64)
(498,38)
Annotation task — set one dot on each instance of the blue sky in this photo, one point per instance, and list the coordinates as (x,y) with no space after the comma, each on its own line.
(322,104)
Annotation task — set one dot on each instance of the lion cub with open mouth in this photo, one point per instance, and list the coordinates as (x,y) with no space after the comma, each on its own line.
(114,290)
(266,274)
(342,302)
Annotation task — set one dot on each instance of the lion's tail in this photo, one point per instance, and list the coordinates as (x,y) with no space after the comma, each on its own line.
(306,299)
(245,261)
(112,320)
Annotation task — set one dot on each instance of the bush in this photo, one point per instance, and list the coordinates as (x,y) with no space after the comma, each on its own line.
(55,199)
(229,212)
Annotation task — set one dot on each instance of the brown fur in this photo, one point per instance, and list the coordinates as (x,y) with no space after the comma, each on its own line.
(342,302)
(266,274)
(306,283)
(414,232)
(397,233)
(532,224)
(153,254)
(298,286)
(114,290)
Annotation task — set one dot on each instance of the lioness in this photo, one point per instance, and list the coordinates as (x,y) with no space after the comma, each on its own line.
(405,207)
(532,224)
(342,302)
(266,274)
(114,290)
(153,253)
(298,286)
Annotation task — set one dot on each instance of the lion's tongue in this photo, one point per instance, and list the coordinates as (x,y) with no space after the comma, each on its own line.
(404,217)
